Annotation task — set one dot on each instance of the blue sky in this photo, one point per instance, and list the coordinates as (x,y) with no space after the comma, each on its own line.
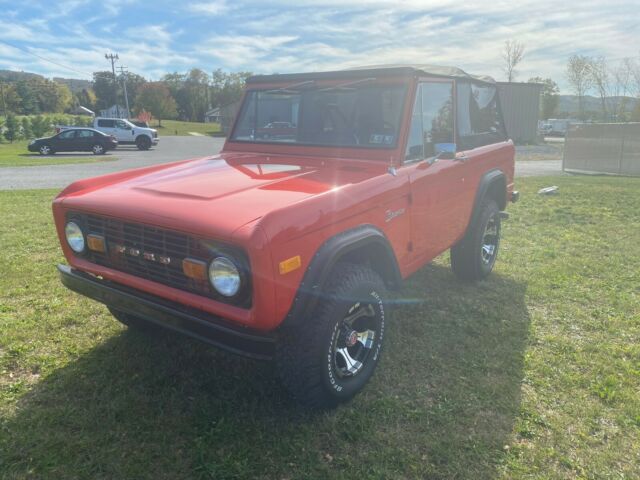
(155,37)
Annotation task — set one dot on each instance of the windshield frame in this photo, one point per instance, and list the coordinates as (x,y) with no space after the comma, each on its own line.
(367,82)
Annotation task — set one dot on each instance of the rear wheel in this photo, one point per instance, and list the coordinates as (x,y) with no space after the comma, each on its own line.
(475,255)
(46,150)
(330,357)
(143,143)
(98,149)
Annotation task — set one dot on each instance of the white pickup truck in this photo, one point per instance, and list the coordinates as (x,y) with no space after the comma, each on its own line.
(126,132)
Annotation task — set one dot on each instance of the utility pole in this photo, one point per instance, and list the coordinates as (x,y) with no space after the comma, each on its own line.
(113,59)
(124,86)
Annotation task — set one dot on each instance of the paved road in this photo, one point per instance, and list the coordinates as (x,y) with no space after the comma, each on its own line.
(170,149)
(58,176)
(537,168)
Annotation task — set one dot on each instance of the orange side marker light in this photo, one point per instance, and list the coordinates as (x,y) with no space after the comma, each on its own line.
(194,268)
(290,264)
(96,243)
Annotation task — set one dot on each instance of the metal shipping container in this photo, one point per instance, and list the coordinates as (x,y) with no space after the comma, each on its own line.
(521,108)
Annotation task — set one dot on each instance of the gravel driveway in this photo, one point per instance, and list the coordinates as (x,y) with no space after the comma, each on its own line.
(58,176)
(172,149)
(538,168)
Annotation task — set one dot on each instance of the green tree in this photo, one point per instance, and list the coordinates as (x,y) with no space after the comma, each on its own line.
(12,99)
(549,97)
(156,98)
(227,88)
(86,98)
(39,126)
(191,93)
(104,89)
(26,128)
(28,99)
(11,128)
(134,82)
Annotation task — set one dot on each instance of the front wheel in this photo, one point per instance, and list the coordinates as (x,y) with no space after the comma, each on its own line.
(328,358)
(98,149)
(143,143)
(46,150)
(473,258)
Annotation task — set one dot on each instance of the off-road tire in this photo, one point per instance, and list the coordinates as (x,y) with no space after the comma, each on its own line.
(143,143)
(132,322)
(307,355)
(468,261)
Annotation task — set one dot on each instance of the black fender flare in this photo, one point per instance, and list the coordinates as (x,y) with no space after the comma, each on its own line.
(326,258)
(487,181)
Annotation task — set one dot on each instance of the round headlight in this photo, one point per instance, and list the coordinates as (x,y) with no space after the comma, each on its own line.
(224,276)
(75,237)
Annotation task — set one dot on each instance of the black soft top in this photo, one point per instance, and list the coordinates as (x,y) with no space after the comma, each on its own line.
(374,71)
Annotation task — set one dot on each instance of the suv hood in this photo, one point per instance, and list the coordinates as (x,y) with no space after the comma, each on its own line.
(216,195)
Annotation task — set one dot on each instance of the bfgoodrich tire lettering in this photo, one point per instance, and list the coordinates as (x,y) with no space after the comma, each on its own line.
(329,357)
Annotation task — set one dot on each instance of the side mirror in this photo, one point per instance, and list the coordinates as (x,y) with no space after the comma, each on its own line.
(446,151)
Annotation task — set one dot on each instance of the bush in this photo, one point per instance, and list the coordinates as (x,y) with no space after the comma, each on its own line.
(40,126)
(27,131)
(11,128)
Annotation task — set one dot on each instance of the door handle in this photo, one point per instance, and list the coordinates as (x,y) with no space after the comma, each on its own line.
(461,157)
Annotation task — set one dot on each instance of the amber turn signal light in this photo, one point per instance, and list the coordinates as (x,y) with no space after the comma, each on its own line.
(290,264)
(194,268)
(96,243)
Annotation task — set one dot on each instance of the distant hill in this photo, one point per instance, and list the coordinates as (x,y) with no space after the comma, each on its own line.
(569,103)
(74,84)
(11,76)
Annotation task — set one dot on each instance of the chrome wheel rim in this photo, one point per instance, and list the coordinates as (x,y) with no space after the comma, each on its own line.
(353,344)
(97,148)
(490,239)
(45,150)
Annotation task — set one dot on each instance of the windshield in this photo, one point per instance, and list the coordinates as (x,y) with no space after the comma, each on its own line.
(349,116)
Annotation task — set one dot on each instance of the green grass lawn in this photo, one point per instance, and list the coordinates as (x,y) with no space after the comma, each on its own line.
(16,155)
(533,373)
(175,127)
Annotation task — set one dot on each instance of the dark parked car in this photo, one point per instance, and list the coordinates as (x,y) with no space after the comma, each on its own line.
(74,140)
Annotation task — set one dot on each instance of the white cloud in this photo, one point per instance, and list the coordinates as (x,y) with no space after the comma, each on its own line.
(320,34)
(208,8)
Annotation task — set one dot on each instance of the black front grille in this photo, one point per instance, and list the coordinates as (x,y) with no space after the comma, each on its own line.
(155,254)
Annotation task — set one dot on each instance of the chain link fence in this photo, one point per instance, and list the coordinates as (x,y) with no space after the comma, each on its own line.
(612,148)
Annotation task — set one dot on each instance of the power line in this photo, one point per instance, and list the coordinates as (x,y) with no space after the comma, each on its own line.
(45,59)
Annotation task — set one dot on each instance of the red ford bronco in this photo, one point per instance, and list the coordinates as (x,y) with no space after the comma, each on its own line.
(330,190)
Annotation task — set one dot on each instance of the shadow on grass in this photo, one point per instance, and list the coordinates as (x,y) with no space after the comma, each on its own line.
(442,404)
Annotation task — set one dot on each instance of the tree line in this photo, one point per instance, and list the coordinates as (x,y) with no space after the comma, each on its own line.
(615,84)
(185,96)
